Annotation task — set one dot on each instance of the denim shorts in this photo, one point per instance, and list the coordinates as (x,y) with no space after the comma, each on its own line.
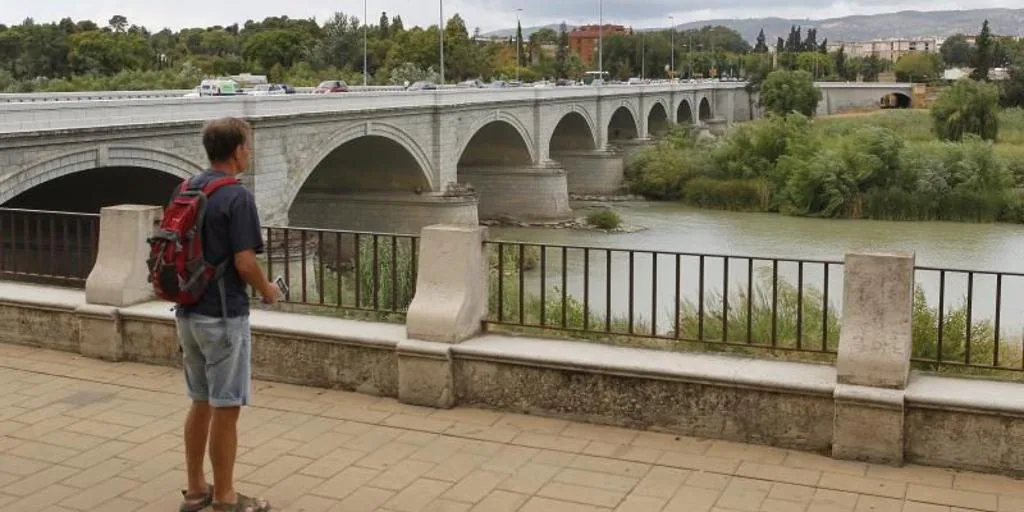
(216,355)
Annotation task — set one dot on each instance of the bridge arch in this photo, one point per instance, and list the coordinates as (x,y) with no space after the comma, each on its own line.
(574,131)
(411,159)
(87,179)
(684,113)
(624,124)
(658,123)
(490,137)
(896,99)
(705,113)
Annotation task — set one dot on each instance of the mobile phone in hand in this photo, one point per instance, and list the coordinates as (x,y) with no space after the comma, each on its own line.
(282,285)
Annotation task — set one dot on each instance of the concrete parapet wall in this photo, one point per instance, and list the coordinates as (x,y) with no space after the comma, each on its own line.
(977,425)
(537,194)
(591,172)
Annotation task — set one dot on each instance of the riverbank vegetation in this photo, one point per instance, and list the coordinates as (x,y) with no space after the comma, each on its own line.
(888,165)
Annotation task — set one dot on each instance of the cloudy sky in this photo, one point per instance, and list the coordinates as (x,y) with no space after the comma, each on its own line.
(485,14)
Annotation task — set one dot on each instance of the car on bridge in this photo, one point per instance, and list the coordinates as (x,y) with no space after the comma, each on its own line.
(423,85)
(271,90)
(331,86)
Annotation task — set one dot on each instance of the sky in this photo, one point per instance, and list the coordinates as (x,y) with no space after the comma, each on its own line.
(486,14)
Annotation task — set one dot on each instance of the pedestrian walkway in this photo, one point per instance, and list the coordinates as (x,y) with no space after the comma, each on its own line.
(80,434)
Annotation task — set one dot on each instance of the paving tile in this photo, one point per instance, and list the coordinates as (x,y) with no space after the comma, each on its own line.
(876,504)
(278,470)
(310,503)
(692,499)
(287,491)
(776,473)
(829,500)
(345,482)
(863,485)
(415,497)
(994,484)
(774,505)
(538,504)
(661,482)
(90,498)
(332,463)
(952,497)
(500,501)
(923,507)
(39,481)
(529,478)
(43,499)
(581,494)
(597,480)
(699,462)
(365,499)
(634,503)
(474,487)
(400,475)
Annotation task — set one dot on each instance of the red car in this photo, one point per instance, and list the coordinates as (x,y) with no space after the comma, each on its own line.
(331,86)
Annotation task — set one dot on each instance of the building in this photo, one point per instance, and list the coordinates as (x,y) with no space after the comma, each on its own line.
(886,49)
(584,40)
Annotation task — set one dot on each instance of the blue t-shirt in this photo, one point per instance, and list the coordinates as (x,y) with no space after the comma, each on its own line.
(231,225)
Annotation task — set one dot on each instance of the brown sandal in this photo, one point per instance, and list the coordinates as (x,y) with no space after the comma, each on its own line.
(197,502)
(244,504)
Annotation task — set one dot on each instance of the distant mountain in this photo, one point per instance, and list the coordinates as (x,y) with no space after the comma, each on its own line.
(940,24)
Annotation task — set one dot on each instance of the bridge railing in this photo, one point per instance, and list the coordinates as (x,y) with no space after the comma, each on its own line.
(43,116)
(47,247)
(968,321)
(669,299)
(359,272)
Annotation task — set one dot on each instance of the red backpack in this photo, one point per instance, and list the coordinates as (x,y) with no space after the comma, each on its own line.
(177,269)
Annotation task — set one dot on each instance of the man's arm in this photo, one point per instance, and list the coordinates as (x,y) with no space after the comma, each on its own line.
(252,273)
(246,241)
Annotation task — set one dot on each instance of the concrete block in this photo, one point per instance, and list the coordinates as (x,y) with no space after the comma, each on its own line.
(425,374)
(451,286)
(875,342)
(868,424)
(99,331)
(119,276)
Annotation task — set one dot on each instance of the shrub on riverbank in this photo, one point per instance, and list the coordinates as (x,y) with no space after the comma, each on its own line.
(884,166)
(605,218)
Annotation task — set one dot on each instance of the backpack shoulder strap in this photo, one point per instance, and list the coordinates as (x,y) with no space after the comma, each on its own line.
(219,183)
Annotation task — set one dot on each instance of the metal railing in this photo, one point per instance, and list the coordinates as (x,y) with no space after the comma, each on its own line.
(346,270)
(962,322)
(47,247)
(710,299)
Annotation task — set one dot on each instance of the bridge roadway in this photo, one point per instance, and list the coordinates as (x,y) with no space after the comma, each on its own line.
(386,161)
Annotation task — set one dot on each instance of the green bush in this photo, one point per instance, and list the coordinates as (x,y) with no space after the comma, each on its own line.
(784,92)
(605,218)
(739,195)
(968,107)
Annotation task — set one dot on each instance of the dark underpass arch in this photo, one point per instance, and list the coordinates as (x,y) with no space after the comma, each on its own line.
(684,114)
(90,190)
(622,126)
(657,121)
(572,133)
(705,110)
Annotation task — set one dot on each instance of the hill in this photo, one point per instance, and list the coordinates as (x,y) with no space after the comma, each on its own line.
(940,24)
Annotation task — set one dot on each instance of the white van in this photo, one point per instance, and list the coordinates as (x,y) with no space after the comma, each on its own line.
(219,87)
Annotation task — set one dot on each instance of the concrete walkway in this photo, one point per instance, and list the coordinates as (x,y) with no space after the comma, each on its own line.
(80,434)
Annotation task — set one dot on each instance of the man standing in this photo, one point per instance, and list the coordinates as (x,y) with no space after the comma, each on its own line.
(214,332)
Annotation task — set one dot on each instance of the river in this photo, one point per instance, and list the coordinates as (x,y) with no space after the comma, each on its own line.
(675,227)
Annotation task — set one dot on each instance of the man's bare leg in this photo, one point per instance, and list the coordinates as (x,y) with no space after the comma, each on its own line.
(223,447)
(197,428)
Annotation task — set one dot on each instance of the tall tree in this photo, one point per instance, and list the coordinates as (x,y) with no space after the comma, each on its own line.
(811,42)
(396,25)
(761,46)
(562,54)
(780,46)
(823,47)
(384,25)
(984,55)
(840,61)
(118,23)
(519,43)
(956,51)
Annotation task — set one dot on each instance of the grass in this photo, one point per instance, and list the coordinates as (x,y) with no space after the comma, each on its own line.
(604,218)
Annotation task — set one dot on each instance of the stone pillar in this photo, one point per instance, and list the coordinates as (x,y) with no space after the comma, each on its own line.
(449,307)
(592,172)
(873,365)
(119,276)
(629,148)
(530,193)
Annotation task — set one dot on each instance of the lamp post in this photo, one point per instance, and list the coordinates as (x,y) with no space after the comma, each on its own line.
(643,55)
(519,43)
(365,25)
(600,40)
(672,27)
(440,27)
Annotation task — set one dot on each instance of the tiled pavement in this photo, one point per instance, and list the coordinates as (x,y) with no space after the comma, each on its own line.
(80,434)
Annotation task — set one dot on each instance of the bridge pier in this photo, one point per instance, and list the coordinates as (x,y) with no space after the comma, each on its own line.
(592,171)
(629,148)
(526,193)
(381,212)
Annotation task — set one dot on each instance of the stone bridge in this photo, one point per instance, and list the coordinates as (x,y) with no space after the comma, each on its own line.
(368,161)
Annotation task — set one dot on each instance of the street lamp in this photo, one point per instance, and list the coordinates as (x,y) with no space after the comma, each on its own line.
(365,25)
(600,40)
(672,26)
(440,27)
(519,43)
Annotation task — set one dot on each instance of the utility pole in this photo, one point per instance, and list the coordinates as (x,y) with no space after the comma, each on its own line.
(440,27)
(365,25)
(600,40)
(672,27)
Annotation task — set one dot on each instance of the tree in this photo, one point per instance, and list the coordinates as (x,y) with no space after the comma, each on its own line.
(957,52)
(984,55)
(918,67)
(383,25)
(784,92)
(761,46)
(839,59)
(1013,86)
(968,107)
(519,43)
(811,43)
(118,23)
(871,68)
(780,46)
(562,54)
(397,25)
